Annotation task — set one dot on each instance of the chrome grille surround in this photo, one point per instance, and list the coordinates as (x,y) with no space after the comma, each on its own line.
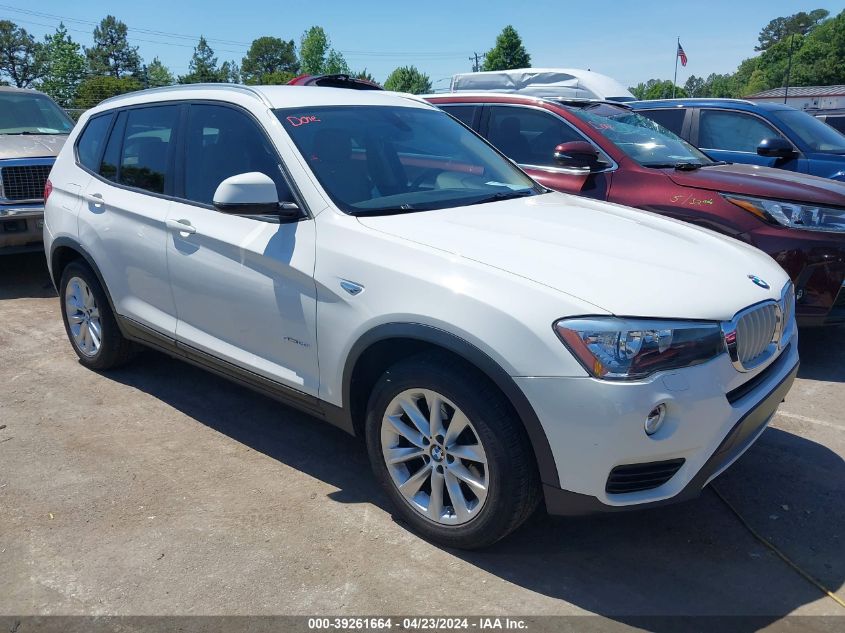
(22,179)
(756,335)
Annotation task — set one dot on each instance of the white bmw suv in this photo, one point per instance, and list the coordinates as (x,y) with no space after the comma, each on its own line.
(366,258)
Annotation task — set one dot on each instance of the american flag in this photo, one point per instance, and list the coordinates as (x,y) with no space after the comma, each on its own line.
(682,54)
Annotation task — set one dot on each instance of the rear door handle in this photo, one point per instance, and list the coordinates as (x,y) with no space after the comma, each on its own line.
(183,226)
(95,198)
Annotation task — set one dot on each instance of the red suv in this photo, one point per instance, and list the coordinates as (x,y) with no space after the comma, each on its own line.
(605,150)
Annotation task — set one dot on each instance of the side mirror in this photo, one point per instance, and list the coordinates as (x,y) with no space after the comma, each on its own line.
(578,155)
(253,194)
(775,148)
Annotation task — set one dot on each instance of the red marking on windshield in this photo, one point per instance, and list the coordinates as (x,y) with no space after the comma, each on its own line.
(296,121)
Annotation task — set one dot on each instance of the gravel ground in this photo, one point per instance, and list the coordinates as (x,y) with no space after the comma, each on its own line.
(161,489)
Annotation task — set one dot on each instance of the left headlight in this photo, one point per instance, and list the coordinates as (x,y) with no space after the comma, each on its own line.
(792,214)
(630,349)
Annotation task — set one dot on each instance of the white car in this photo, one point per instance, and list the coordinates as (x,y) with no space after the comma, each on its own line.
(366,258)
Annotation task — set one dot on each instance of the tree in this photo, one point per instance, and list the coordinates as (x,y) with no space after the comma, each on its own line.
(157,74)
(94,89)
(203,66)
(62,65)
(111,53)
(267,56)
(313,48)
(335,64)
(19,55)
(230,72)
(363,74)
(508,52)
(694,86)
(779,29)
(408,79)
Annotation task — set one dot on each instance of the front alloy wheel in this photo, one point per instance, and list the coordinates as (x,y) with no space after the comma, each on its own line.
(434,456)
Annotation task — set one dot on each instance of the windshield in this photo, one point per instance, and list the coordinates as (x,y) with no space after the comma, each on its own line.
(388,159)
(820,137)
(25,113)
(644,140)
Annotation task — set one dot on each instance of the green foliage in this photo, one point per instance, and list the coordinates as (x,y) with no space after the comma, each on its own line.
(278,78)
(62,66)
(363,74)
(269,56)
(203,66)
(313,48)
(157,74)
(408,79)
(779,29)
(508,52)
(94,89)
(111,53)
(657,89)
(336,64)
(19,55)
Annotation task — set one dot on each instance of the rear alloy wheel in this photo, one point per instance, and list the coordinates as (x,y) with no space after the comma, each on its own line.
(83,317)
(450,452)
(434,456)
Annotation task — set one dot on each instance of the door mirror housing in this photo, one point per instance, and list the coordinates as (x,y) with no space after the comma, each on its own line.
(775,148)
(579,156)
(253,194)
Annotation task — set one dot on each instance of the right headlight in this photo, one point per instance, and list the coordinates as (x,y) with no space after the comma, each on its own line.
(792,214)
(615,348)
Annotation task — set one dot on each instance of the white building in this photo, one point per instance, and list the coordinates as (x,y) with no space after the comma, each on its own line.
(805,97)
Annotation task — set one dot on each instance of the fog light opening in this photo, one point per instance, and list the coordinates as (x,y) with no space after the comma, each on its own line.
(654,420)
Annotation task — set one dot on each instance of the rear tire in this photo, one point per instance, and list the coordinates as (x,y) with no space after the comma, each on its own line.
(89,321)
(450,452)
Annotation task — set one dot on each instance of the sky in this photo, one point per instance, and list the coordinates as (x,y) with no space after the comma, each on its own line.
(630,41)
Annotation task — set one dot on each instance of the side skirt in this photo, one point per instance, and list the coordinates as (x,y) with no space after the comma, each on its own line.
(306,403)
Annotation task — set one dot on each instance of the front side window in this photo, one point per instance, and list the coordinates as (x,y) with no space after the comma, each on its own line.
(670,118)
(463,113)
(820,137)
(91,141)
(222,142)
(25,113)
(644,140)
(147,142)
(390,159)
(732,131)
(528,136)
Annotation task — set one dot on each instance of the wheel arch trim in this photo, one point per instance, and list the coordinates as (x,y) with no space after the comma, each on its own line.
(475,356)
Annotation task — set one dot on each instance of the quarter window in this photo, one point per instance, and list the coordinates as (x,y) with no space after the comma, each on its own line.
(528,136)
(223,142)
(732,131)
(147,141)
(670,118)
(463,113)
(91,141)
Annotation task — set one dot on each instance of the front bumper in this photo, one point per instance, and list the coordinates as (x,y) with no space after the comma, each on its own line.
(714,414)
(21,228)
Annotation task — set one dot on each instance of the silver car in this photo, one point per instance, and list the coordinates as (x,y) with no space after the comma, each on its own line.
(32,131)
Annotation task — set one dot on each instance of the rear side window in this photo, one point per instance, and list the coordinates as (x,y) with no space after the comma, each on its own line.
(528,136)
(222,142)
(732,131)
(147,141)
(463,113)
(89,147)
(670,118)
(111,157)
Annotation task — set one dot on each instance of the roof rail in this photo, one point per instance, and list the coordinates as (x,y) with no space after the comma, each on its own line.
(583,101)
(732,100)
(202,86)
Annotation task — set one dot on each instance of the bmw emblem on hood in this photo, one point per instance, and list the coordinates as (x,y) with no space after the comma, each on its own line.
(759,281)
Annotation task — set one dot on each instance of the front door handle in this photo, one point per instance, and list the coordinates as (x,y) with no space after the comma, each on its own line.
(183,226)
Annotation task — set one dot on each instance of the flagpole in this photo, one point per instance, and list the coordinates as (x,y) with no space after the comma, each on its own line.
(675,81)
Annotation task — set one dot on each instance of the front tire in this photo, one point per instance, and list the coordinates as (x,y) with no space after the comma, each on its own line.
(89,321)
(450,452)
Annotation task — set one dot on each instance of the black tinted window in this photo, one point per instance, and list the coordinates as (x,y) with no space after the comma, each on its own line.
(528,136)
(91,141)
(223,142)
(146,143)
(732,131)
(463,113)
(670,118)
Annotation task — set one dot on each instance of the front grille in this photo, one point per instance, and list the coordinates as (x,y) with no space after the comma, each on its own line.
(24,182)
(755,331)
(636,477)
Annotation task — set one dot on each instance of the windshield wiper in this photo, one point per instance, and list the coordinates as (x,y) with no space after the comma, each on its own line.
(504,195)
(33,133)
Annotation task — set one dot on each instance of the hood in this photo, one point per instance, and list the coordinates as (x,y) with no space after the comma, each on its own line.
(624,261)
(31,145)
(764,182)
